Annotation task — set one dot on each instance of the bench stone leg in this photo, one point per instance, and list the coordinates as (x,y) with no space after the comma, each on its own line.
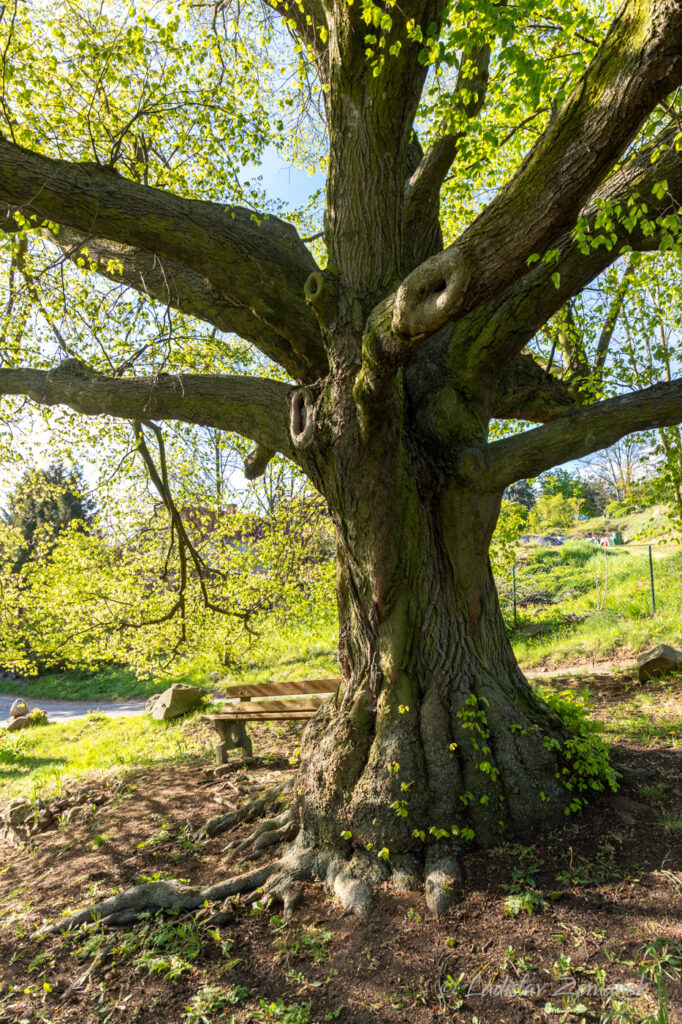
(232,735)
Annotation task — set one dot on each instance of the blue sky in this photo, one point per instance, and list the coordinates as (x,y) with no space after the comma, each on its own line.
(282,181)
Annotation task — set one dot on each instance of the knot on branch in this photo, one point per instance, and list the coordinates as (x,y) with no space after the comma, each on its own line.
(431,294)
(74,368)
(313,289)
(302,417)
(320,290)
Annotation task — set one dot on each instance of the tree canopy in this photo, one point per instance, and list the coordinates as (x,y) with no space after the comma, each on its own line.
(119,157)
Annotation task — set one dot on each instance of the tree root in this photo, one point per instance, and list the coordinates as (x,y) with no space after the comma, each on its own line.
(164,895)
(443,880)
(88,973)
(250,811)
(272,831)
(350,878)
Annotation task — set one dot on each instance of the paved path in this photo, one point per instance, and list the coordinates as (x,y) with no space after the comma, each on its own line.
(64,710)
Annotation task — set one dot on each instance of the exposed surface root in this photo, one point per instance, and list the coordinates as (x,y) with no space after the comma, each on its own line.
(124,907)
(355,895)
(251,811)
(92,969)
(164,895)
(407,873)
(272,831)
(122,920)
(274,835)
(351,878)
(443,881)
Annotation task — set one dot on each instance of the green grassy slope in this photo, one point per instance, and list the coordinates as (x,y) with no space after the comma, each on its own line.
(576,604)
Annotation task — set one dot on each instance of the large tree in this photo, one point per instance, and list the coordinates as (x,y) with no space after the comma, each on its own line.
(396,356)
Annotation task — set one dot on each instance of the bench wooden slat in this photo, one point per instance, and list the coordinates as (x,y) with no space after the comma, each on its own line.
(282,688)
(230,724)
(261,706)
(266,716)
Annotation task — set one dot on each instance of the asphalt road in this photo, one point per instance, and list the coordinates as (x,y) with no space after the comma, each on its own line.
(64,710)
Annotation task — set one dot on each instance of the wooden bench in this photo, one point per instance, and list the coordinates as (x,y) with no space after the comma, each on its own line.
(302,701)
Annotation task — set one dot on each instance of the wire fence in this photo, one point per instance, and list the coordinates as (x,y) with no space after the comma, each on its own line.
(538,581)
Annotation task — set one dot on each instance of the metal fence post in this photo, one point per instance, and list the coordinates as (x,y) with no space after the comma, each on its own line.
(514,590)
(651,578)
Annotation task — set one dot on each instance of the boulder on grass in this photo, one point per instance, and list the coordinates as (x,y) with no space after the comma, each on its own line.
(18,709)
(18,723)
(177,700)
(35,717)
(661,659)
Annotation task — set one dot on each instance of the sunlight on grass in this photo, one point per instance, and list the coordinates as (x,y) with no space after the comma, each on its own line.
(652,717)
(298,652)
(106,685)
(595,607)
(39,759)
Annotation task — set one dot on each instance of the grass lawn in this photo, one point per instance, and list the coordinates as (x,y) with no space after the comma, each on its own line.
(40,759)
(582,604)
(107,684)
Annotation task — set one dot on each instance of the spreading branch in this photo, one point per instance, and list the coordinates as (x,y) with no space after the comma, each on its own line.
(422,191)
(255,408)
(612,316)
(259,261)
(574,435)
(504,326)
(189,292)
(437,160)
(636,66)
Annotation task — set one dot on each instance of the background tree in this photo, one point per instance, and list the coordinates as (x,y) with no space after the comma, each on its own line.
(554,511)
(44,502)
(620,465)
(563,482)
(521,491)
(485,163)
(597,495)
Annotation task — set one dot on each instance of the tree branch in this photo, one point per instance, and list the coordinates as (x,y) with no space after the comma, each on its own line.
(526,391)
(504,326)
(637,65)
(572,436)
(422,191)
(258,261)
(255,408)
(435,164)
(612,319)
(189,292)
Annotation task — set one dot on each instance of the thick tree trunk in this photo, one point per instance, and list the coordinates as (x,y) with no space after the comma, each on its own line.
(436,741)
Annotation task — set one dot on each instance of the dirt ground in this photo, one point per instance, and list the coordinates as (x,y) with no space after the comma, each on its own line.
(596,934)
